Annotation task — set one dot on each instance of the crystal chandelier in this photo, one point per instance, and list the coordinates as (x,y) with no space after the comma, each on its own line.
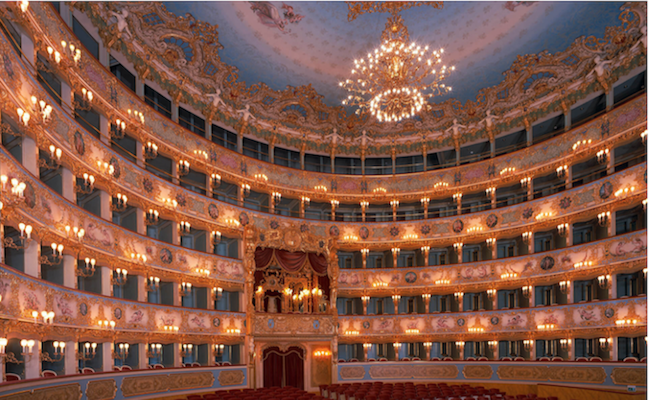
(394,81)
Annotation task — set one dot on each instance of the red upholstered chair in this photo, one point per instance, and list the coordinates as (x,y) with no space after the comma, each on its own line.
(596,359)
(630,359)
(47,373)
(581,359)
(87,370)
(12,377)
(126,368)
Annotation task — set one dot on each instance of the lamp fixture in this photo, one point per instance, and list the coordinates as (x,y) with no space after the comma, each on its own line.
(218,350)
(262,178)
(24,238)
(425,201)
(581,144)
(216,180)
(396,298)
(88,268)
(187,350)
(525,182)
(396,79)
(396,346)
(507,171)
(440,185)
(320,188)
(490,191)
(203,272)
(364,204)
(491,242)
(412,331)
(527,236)
(476,329)
(602,156)
(59,353)
(183,167)
(527,291)
(121,352)
(105,168)
(184,227)
(604,281)
(564,286)
(458,246)
(119,203)
(460,344)
(88,351)
(85,104)
(379,284)
(474,229)
(47,317)
(24,5)
(458,295)
(216,237)
(394,203)
(106,324)
(54,159)
(120,276)
(396,251)
(543,215)
(457,197)
(201,153)
(563,229)
(305,201)
(561,171)
(443,282)
(217,293)
(72,51)
(152,284)
(379,190)
(277,197)
(491,293)
(410,237)
(88,184)
(185,289)
(23,116)
(365,251)
(170,328)
(152,217)
(528,343)
(137,115)
(546,327)
(118,130)
(643,136)
(426,296)
(150,150)
(492,343)
(603,218)
(55,258)
(625,191)
(42,108)
(170,203)
(583,264)
(509,275)
(605,342)
(245,189)
(334,203)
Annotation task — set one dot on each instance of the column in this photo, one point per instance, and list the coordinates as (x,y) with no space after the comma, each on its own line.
(139,155)
(609,99)
(240,142)
(424,153)
(30,155)
(531,298)
(141,289)
(492,147)
(32,254)
(33,362)
(459,205)
(569,235)
(65,13)
(493,200)
(240,196)
(529,132)
(104,129)
(27,48)
(174,111)
(533,350)
(2,256)
(107,361)
(174,172)
(69,271)
(70,363)
(302,157)
(175,234)
(570,298)
(613,349)
(611,225)
(460,302)
(177,300)
(208,129)
(177,359)
(530,244)
(104,198)
(301,208)
(612,288)
(271,202)
(106,277)
(66,94)
(140,218)
(494,250)
(67,185)
(567,117)
(142,359)
(569,177)
(139,87)
(610,164)
(394,161)
(530,190)
(457,156)
(571,348)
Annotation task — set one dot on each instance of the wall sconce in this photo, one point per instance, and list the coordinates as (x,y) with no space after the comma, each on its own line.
(410,237)
(201,153)
(150,151)
(643,136)
(334,204)
(138,258)
(604,281)
(183,167)
(305,201)
(543,215)
(152,284)
(561,171)
(507,171)
(320,188)
(184,227)
(490,191)
(604,343)
(581,143)
(27,348)
(412,331)
(458,296)
(88,351)
(457,197)
(139,117)
(583,264)
(185,289)
(546,327)
(379,284)
(217,293)
(59,353)
(491,242)
(54,55)
(394,203)
(216,180)
(85,104)
(277,197)
(321,354)
(564,286)
(443,282)
(426,297)
(23,116)
(120,277)
(122,352)
(476,329)
(527,236)
(365,252)
(528,343)
(565,343)
(187,350)
(509,275)
(603,218)
(460,344)
(440,185)
(25,238)
(55,258)
(105,168)
(379,191)
(48,317)
(88,269)
(233,331)
(525,182)
(492,343)
(474,229)
(396,251)
(245,189)
(232,223)
(170,329)
(458,246)
(562,229)
(396,298)
(88,184)
(218,350)
(602,156)
(42,108)
(527,291)
(428,345)
(152,217)
(170,203)
(54,161)
(216,237)
(118,203)
(105,324)
(626,322)
(396,346)
(367,346)
(203,271)
(491,293)
(262,178)
(72,51)
(118,131)
(625,191)
(425,201)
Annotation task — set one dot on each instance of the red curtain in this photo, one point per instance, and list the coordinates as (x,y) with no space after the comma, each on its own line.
(284,368)
(290,261)
(273,367)
(294,367)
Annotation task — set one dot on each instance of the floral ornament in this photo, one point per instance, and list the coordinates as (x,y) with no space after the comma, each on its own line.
(117,170)
(274,224)
(181,199)
(213,211)
(492,220)
(425,229)
(182,258)
(334,231)
(147,184)
(565,203)
(243,219)
(527,213)
(364,233)
(458,226)
(606,190)
(304,228)
(394,231)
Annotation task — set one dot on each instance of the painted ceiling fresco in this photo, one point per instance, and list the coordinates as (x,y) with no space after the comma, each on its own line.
(301,43)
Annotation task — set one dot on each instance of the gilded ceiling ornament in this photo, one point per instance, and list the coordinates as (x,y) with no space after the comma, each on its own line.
(356,8)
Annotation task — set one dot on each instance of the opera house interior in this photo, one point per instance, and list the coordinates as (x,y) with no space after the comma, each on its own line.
(323,200)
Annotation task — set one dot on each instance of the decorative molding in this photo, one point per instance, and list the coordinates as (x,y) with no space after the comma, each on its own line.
(351,372)
(231,378)
(477,371)
(414,371)
(629,376)
(105,389)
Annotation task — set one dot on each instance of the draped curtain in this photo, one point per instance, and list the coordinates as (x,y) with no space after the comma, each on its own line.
(284,368)
(290,261)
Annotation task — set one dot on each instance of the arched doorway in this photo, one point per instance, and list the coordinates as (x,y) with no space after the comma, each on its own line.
(284,367)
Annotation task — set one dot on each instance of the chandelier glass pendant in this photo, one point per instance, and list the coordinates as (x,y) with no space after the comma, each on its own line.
(395,81)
